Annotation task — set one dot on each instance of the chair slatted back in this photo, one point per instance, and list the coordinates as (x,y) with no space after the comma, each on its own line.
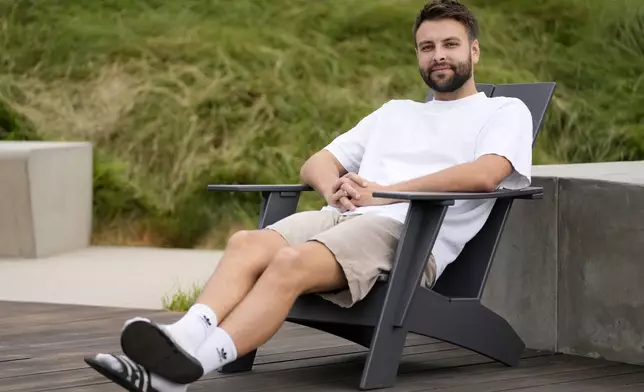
(467,275)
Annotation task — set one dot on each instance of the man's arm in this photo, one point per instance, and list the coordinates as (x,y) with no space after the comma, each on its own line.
(503,155)
(481,175)
(322,171)
(344,154)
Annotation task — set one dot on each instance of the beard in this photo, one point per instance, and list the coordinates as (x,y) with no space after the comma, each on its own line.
(447,84)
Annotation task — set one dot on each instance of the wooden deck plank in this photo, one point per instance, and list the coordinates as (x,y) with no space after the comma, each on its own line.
(346,375)
(601,382)
(42,348)
(285,376)
(72,359)
(26,314)
(427,374)
(67,354)
(541,378)
(73,372)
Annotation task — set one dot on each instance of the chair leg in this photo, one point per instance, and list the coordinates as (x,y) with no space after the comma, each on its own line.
(452,321)
(241,364)
(383,360)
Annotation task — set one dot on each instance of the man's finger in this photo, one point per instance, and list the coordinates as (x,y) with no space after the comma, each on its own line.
(337,185)
(335,198)
(346,204)
(339,194)
(350,191)
(347,180)
(357,179)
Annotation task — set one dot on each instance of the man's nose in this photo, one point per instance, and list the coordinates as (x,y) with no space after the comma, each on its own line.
(439,55)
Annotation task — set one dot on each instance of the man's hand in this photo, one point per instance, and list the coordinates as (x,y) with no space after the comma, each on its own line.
(351,191)
(339,196)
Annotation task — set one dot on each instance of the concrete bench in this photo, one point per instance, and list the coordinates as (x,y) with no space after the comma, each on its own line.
(569,270)
(45,198)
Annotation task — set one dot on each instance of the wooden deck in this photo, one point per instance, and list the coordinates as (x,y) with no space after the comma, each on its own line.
(42,348)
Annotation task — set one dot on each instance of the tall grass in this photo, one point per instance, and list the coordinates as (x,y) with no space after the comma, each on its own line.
(178,94)
(182,299)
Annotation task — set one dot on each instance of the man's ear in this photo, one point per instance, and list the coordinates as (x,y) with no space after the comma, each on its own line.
(476,51)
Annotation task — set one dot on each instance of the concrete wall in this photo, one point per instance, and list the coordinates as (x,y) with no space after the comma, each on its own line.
(601,269)
(522,282)
(569,272)
(45,198)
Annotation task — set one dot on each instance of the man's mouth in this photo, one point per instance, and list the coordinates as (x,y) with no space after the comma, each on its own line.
(440,68)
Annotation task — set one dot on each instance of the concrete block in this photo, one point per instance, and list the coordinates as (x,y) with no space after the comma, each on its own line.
(522,283)
(45,198)
(629,172)
(601,255)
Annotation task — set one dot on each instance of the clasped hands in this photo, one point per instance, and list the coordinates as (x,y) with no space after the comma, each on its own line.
(351,191)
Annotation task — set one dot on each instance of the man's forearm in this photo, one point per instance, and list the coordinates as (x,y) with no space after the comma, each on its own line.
(321,171)
(460,178)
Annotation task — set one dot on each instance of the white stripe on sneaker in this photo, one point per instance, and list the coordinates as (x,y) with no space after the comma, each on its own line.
(126,366)
(133,370)
(144,382)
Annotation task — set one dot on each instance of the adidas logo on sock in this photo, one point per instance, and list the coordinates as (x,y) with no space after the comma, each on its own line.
(222,354)
(207,320)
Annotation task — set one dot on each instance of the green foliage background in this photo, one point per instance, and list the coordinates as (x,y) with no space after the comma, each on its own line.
(175,95)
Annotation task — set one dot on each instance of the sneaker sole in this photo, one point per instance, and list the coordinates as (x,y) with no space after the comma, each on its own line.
(148,345)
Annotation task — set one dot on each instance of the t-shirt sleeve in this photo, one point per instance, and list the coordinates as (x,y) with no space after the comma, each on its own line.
(509,134)
(349,147)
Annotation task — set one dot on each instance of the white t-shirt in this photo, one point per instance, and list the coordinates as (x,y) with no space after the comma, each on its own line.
(404,139)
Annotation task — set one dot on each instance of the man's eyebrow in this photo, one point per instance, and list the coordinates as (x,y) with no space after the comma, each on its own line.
(453,38)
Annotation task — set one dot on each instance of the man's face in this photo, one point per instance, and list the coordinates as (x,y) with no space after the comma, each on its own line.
(445,55)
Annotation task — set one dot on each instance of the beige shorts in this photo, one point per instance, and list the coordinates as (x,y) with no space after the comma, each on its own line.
(363,245)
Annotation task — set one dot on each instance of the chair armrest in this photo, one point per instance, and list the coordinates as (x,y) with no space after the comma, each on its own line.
(278,200)
(525,193)
(260,188)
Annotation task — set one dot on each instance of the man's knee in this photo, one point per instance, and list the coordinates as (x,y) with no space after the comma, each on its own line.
(286,267)
(253,250)
(242,238)
(246,239)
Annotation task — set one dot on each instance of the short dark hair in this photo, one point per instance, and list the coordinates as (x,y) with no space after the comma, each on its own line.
(448,9)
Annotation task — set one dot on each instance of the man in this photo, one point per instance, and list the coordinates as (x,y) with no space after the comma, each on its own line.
(460,141)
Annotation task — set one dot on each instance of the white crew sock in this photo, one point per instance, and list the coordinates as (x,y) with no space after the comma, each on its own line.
(194,328)
(217,351)
(158,383)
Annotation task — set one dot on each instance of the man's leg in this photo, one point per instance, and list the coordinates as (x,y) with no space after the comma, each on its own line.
(348,256)
(246,257)
(247,254)
(294,271)
(309,267)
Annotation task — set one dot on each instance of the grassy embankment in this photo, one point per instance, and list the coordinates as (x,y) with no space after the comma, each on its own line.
(176,95)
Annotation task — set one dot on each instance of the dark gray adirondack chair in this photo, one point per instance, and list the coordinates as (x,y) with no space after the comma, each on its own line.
(398,304)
